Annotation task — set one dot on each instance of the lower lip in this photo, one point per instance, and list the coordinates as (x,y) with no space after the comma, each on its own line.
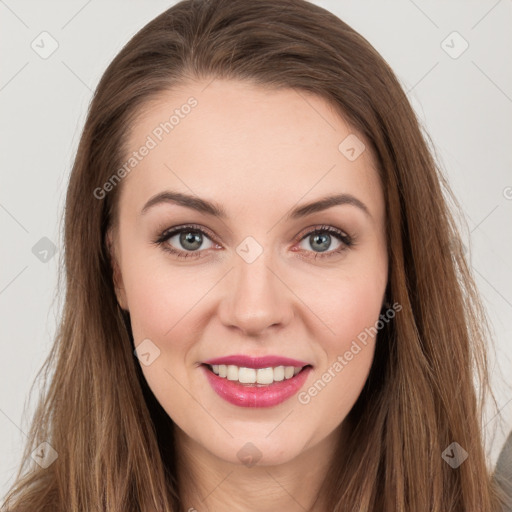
(247,395)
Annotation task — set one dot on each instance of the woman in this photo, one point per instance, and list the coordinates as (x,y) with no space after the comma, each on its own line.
(259,263)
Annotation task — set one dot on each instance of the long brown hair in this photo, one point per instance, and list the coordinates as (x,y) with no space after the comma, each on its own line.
(114,442)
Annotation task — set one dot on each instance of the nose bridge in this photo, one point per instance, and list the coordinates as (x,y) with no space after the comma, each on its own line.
(255,298)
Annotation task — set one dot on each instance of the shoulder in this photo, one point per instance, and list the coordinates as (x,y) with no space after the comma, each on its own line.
(503,472)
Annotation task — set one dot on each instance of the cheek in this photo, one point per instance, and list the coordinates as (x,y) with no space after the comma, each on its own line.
(340,378)
(161,310)
(159,300)
(349,309)
(336,387)
(352,314)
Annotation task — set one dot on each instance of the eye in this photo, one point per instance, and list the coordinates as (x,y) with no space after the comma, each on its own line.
(320,239)
(189,240)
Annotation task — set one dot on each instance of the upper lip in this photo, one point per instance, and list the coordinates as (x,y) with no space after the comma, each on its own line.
(256,362)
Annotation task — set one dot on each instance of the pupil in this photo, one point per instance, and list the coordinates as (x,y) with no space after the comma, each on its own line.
(321,239)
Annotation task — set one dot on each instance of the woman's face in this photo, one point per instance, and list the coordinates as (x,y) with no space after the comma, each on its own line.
(254,282)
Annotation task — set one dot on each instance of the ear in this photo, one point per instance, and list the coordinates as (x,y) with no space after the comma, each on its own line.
(117,276)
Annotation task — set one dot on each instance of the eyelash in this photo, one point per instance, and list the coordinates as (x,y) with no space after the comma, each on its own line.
(346,240)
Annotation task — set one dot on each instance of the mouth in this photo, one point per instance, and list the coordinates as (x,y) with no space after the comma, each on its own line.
(255,377)
(256,387)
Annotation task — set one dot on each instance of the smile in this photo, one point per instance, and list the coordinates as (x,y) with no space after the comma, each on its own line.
(256,387)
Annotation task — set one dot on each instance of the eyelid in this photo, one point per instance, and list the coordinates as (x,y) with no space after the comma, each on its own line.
(167,233)
(321,228)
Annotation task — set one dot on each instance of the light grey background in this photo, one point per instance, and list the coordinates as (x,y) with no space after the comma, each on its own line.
(465,103)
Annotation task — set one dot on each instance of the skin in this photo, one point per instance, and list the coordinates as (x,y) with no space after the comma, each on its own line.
(259,153)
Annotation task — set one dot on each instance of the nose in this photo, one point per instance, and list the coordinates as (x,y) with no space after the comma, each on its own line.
(256,298)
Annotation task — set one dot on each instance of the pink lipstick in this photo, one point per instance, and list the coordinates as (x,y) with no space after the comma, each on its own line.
(250,393)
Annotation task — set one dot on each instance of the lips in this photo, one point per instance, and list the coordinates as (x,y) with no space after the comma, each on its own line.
(255,394)
(243,395)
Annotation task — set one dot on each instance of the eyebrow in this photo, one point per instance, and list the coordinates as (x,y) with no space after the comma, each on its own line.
(216,210)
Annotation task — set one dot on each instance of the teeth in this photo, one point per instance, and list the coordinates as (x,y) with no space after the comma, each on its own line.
(246,375)
(279,373)
(255,376)
(232,372)
(263,376)
(289,372)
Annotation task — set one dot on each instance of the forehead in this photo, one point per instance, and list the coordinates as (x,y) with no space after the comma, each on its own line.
(246,145)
